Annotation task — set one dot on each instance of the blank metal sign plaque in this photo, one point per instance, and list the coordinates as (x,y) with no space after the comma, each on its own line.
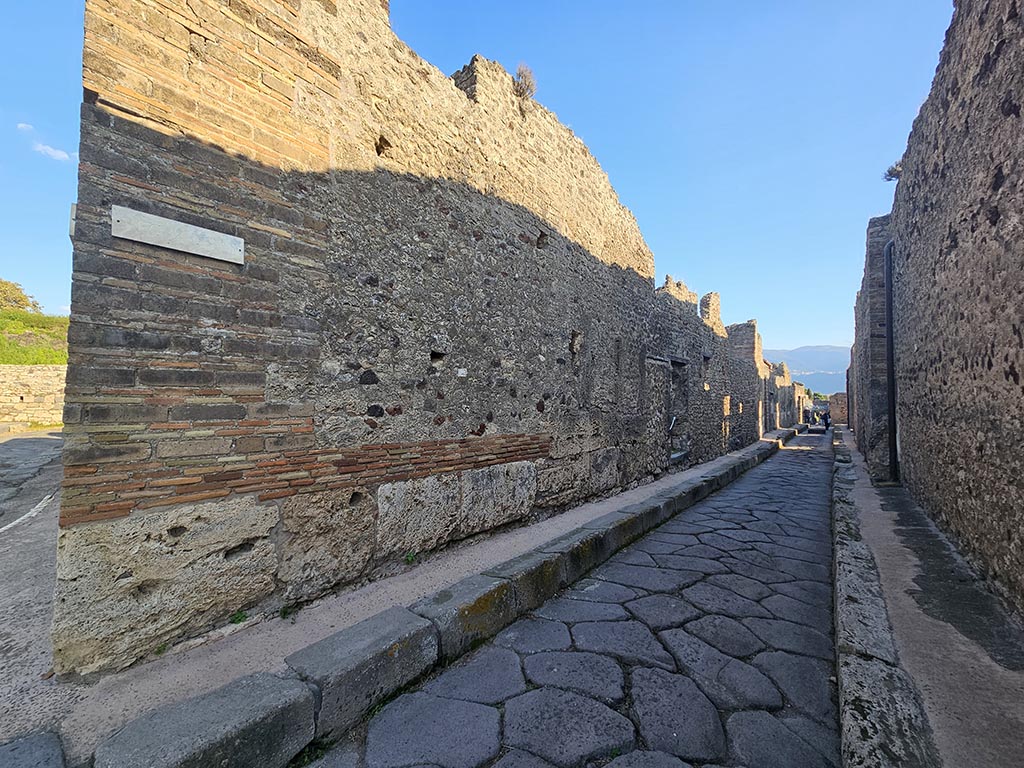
(176,235)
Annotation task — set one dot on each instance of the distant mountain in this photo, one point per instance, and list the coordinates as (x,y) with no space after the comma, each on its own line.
(821,367)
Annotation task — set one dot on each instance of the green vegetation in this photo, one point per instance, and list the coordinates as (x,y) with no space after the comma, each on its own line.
(32,338)
(238,617)
(13,296)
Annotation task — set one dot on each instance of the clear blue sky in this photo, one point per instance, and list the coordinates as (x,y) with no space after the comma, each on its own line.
(748,138)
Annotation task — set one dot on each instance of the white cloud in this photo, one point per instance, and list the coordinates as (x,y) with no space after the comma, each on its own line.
(51,152)
(25,127)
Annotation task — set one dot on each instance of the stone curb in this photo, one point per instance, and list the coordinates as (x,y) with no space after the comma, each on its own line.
(882,719)
(265,720)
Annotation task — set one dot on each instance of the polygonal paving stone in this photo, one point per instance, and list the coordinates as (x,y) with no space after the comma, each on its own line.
(674,716)
(652,579)
(714,599)
(741,585)
(679,539)
(824,740)
(416,729)
(818,546)
(634,557)
(739,518)
(572,611)
(756,572)
(534,635)
(742,534)
(344,755)
(804,681)
(588,673)
(809,592)
(715,523)
(488,676)
(730,683)
(718,541)
(787,636)
(727,635)
(565,728)
(799,569)
(760,741)
(663,611)
(752,556)
(655,547)
(684,528)
(793,610)
(647,760)
(630,641)
(597,591)
(682,563)
(789,553)
(766,527)
(519,759)
(700,550)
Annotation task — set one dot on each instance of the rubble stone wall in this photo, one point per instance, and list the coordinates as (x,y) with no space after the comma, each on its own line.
(31,393)
(837,407)
(748,380)
(445,321)
(958,225)
(870,395)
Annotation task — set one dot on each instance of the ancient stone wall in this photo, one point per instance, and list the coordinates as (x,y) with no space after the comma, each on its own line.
(868,362)
(801,402)
(837,407)
(958,223)
(445,320)
(31,393)
(692,342)
(748,380)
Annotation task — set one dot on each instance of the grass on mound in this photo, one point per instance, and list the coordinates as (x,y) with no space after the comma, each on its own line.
(30,338)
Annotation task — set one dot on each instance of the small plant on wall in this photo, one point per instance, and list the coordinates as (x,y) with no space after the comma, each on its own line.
(524,85)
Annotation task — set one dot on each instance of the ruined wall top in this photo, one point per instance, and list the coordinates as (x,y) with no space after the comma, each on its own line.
(677,289)
(317,87)
(711,312)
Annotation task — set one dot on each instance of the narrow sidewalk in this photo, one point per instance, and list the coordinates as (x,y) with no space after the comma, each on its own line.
(963,648)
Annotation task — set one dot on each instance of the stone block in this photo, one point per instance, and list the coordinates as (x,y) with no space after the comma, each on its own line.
(256,720)
(329,541)
(473,609)
(536,576)
(584,549)
(362,665)
(39,750)
(175,570)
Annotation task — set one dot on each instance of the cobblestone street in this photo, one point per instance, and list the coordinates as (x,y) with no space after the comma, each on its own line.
(708,642)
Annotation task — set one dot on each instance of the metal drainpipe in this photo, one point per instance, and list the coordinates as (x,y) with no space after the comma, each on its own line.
(890,363)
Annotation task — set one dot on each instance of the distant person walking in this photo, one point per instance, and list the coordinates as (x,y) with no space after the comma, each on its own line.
(827,418)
